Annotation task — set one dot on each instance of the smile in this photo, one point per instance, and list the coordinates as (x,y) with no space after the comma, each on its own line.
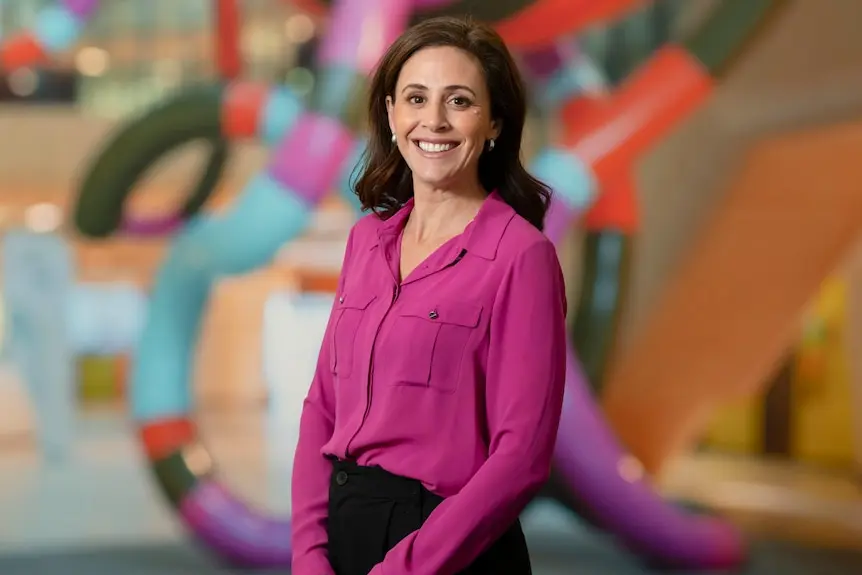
(435,147)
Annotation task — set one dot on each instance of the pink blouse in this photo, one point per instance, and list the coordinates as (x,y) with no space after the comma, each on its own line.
(454,377)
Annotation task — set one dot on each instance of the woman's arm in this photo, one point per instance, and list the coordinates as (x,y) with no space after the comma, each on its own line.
(524,395)
(311,471)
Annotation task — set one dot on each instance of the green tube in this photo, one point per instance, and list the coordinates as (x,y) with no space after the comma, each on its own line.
(604,283)
(190,116)
(339,92)
(485,10)
(728,30)
(174,477)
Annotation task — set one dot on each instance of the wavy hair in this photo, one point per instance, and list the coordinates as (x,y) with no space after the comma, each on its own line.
(385,183)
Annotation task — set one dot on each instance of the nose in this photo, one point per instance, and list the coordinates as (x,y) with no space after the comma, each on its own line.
(434,118)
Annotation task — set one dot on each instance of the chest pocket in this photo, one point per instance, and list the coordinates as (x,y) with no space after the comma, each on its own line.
(433,340)
(350,310)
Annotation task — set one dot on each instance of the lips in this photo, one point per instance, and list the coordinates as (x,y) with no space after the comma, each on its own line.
(436,147)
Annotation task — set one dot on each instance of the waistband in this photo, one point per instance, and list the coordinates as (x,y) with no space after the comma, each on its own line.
(374,481)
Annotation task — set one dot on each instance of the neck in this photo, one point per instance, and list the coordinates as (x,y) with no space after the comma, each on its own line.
(441,213)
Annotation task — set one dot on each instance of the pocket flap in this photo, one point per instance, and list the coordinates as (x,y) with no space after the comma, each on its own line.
(355,300)
(455,313)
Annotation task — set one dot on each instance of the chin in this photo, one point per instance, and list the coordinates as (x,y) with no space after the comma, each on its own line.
(434,180)
(437,176)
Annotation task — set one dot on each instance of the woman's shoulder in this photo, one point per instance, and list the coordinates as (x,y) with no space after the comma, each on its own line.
(521,238)
(530,258)
(365,227)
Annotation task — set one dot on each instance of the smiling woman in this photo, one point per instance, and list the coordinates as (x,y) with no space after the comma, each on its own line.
(432,96)
(432,415)
(441,126)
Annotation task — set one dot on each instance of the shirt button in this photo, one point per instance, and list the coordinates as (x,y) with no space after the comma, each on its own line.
(341,477)
(341,299)
(433,314)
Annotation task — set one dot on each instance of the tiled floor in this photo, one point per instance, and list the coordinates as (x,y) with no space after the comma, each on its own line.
(99,513)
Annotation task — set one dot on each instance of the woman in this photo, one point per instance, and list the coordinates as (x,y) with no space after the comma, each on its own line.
(432,416)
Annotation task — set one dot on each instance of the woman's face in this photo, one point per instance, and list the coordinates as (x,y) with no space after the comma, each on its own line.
(441,115)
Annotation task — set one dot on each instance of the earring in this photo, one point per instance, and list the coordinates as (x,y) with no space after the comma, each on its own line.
(491,144)
(394,138)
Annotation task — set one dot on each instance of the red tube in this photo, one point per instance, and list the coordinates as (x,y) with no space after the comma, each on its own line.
(242,105)
(162,437)
(610,134)
(228,60)
(544,21)
(616,208)
(20,51)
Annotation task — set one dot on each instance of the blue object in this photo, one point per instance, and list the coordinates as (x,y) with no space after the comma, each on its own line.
(57,29)
(571,80)
(337,90)
(37,283)
(263,219)
(573,180)
(106,319)
(280,113)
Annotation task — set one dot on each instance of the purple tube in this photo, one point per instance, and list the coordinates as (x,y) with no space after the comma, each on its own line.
(360,31)
(83,9)
(587,458)
(309,160)
(543,61)
(559,218)
(151,227)
(236,533)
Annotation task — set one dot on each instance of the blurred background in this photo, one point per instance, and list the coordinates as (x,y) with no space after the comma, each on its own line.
(714,270)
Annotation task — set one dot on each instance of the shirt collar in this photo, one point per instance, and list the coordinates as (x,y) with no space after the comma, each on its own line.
(482,237)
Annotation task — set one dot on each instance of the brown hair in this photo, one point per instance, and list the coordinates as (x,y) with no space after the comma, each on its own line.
(385,183)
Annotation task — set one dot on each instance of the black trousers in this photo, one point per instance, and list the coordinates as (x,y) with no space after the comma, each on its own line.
(371,510)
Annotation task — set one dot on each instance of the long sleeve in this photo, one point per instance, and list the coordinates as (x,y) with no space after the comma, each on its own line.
(524,396)
(311,471)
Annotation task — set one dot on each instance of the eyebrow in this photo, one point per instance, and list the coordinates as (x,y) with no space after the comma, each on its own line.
(450,88)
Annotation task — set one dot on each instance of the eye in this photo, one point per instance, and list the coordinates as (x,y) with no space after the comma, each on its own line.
(460,101)
(415,99)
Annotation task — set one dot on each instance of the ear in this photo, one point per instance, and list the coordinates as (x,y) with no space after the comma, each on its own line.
(496,128)
(390,107)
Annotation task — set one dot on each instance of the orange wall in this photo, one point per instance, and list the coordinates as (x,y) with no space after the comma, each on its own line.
(731,310)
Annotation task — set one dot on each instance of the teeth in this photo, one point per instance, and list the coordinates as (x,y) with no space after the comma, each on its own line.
(429,147)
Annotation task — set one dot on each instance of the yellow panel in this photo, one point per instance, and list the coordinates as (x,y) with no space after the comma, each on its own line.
(98,378)
(737,428)
(822,406)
